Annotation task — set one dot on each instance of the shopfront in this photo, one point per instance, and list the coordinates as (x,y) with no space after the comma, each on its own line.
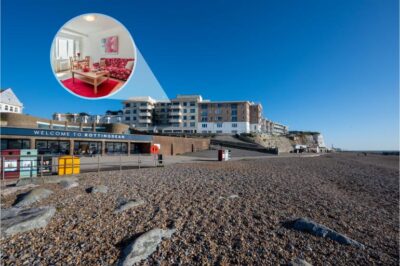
(60,142)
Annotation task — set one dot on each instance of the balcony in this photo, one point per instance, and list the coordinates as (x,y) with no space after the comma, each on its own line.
(175,120)
(145,120)
(146,107)
(175,112)
(175,106)
(145,113)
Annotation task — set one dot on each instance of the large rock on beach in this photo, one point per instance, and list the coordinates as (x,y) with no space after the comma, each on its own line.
(16,220)
(68,184)
(97,189)
(143,246)
(129,205)
(11,190)
(299,262)
(32,196)
(306,225)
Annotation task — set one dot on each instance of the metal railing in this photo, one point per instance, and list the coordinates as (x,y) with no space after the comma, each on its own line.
(28,166)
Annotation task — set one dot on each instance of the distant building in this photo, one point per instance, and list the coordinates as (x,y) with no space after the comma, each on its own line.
(9,102)
(273,128)
(111,117)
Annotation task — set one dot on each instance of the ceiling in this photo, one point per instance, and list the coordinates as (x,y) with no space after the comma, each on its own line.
(101,23)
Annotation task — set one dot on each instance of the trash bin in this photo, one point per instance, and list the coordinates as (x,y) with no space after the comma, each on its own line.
(10,164)
(160,159)
(28,163)
(68,165)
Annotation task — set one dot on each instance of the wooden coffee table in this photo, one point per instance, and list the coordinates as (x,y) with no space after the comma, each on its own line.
(93,78)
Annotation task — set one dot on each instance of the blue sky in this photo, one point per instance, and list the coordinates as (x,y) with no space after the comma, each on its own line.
(329,66)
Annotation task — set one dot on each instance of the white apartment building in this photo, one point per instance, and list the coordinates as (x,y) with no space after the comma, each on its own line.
(138,112)
(193,114)
(183,114)
(9,102)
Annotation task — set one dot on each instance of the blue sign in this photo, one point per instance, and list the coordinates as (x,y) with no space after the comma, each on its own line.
(71,134)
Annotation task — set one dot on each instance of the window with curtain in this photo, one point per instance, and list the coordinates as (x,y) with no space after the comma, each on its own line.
(66,48)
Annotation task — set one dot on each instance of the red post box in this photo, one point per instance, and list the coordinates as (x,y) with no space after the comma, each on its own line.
(221,155)
(10,164)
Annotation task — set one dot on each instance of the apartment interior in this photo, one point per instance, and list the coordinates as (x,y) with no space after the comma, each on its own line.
(93,55)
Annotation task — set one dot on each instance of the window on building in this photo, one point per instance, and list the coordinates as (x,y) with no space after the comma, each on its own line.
(219,105)
(185,111)
(184,124)
(58,127)
(218,111)
(43,125)
(219,118)
(134,118)
(204,125)
(52,147)
(234,105)
(87,147)
(6,107)
(127,105)
(127,118)
(204,106)
(192,124)
(234,131)
(134,111)
(234,125)
(234,112)
(192,103)
(192,111)
(234,118)
(192,117)
(16,109)
(127,111)
(184,117)
(15,144)
(116,148)
(219,131)
(204,113)
(185,104)
(219,124)
(11,109)
(204,119)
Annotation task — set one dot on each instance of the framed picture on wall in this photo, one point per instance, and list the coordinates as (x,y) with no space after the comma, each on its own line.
(110,45)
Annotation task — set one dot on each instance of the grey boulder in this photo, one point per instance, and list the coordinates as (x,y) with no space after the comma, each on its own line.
(68,184)
(299,262)
(143,246)
(97,189)
(32,196)
(129,205)
(16,220)
(306,225)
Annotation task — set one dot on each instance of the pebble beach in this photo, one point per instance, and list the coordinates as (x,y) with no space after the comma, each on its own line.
(222,213)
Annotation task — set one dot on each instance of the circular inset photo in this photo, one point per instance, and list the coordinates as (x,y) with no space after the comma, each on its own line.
(93,56)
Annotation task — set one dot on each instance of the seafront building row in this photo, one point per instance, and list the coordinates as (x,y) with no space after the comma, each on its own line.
(187,114)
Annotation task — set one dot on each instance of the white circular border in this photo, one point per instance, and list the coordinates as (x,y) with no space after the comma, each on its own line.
(111,94)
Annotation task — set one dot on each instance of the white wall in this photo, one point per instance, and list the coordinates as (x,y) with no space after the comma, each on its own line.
(242,127)
(125,45)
